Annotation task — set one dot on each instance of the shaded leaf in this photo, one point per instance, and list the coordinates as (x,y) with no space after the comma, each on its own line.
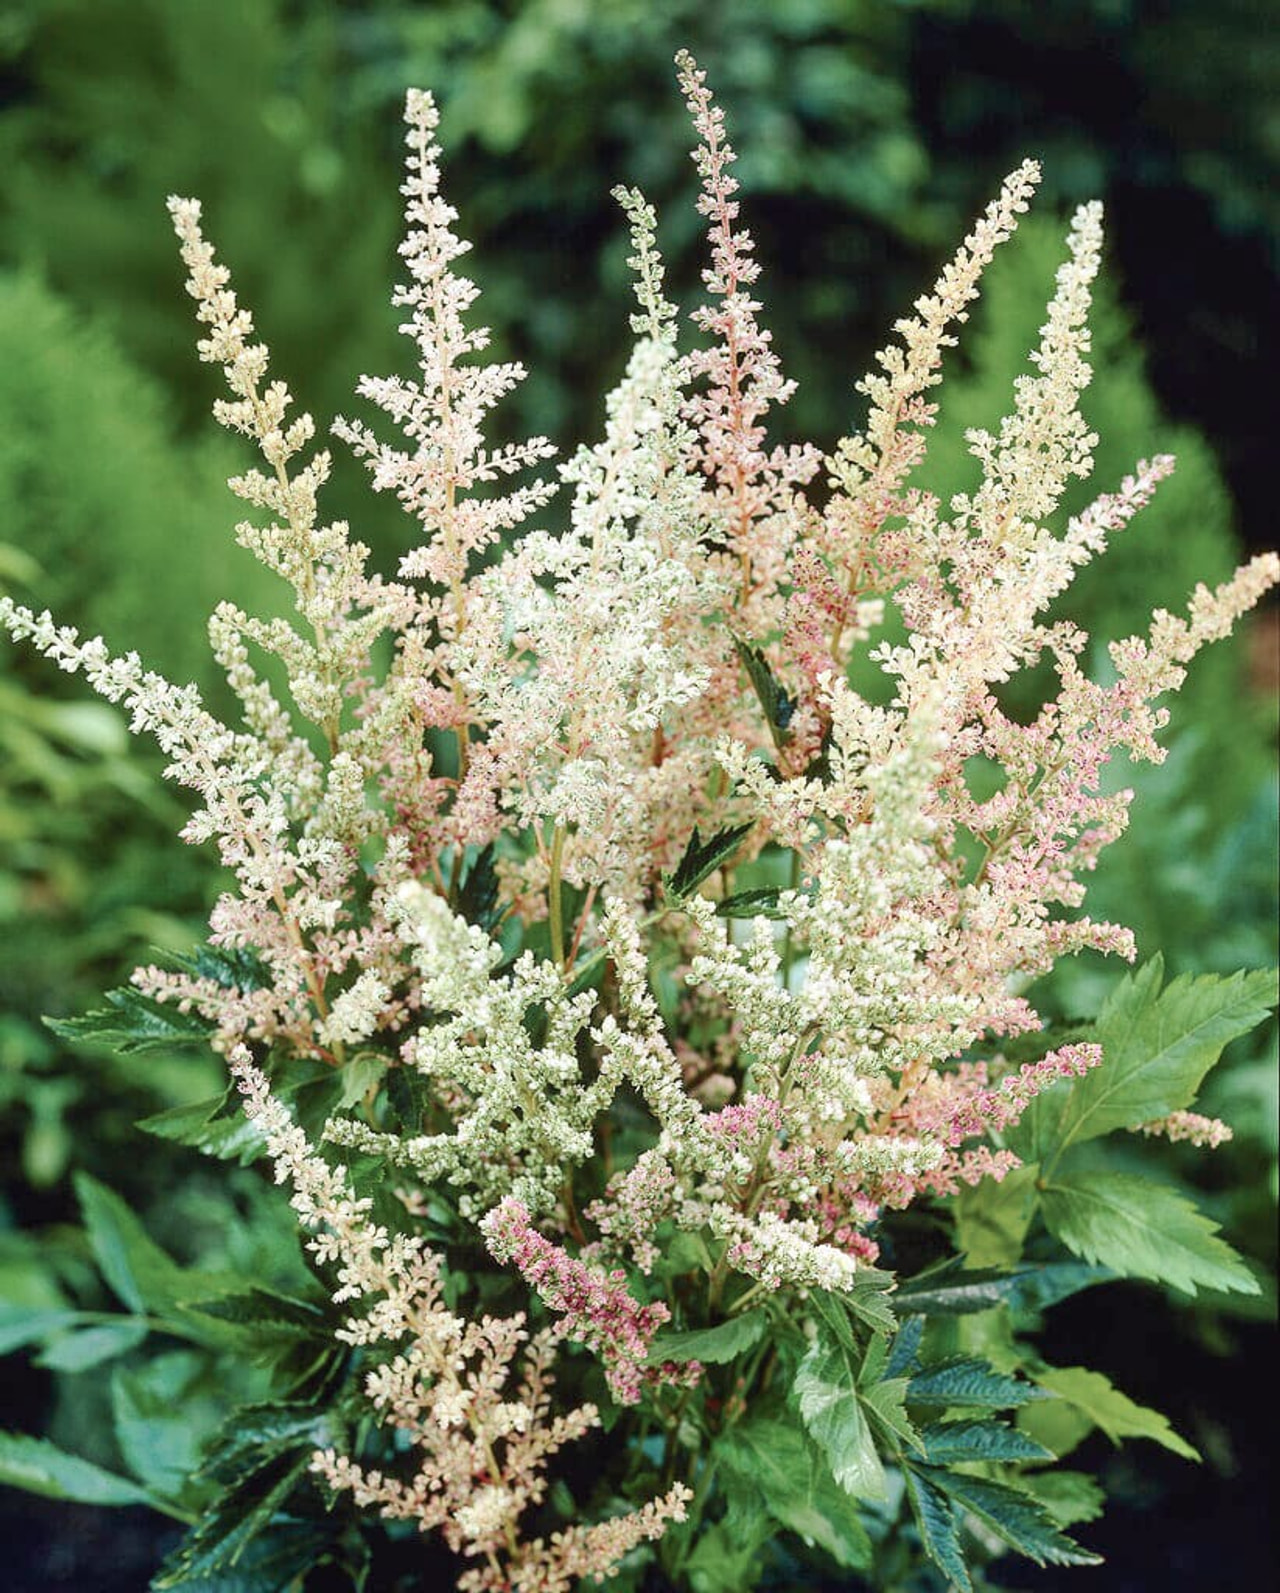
(775,1460)
(777,704)
(38,1466)
(936,1521)
(231,1522)
(1015,1518)
(762,902)
(953,1290)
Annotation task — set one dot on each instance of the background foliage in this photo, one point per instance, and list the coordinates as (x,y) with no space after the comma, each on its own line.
(870,131)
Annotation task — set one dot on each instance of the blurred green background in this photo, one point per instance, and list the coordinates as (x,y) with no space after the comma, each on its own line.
(870,132)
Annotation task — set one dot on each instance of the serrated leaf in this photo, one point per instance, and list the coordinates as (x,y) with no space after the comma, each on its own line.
(968,1382)
(1142,1229)
(866,1300)
(715,1345)
(478,897)
(826,1390)
(199,1126)
(232,1521)
(231,967)
(1157,1047)
(132,1022)
(152,1411)
(702,858)
(885,1403)
(37,1466)
(1069,1497)
(256,1434)
(936,1521)
(904,1348)
(259,1322)
(948,1443)
(1015,1518)
(774,1460)
(1115,1413)
(762,902)
(139,1272)
(953,1290)
(82,1351)
(276,1561)
(777,704)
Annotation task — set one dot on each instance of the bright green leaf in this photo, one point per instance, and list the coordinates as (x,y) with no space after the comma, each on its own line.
(1157,1047)
(1142,1229)
(715,1345)
(826,1389)
(80,1352)
(1115,1413)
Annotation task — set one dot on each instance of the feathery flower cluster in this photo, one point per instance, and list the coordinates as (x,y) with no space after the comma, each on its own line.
(505,865)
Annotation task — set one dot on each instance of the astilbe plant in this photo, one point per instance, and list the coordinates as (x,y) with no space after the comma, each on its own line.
(659,966)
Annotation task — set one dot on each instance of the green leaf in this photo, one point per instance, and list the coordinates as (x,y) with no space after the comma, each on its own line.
(1157,1047)
(1142,1230)
(778,706)
(992,1219)
(38,1466)
(80,1352)
(969,1382)
(203,1127)
(951,1290)
(256,1434)
(826,1390)
(24,1324)
(885,1403)
(1068,1496)
(702,858)
(132,1022)
(477,900)
(938,1532)
(762,902)
(153,1409)
(1115,1413)
(948,1443)
(230,1524)
(866,1300)
(715,1345)
(1014,1517)
(726,1558)
(774,1460)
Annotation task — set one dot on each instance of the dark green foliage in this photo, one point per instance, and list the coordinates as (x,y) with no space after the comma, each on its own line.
(971,1384)
(702,858)
(777,705)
